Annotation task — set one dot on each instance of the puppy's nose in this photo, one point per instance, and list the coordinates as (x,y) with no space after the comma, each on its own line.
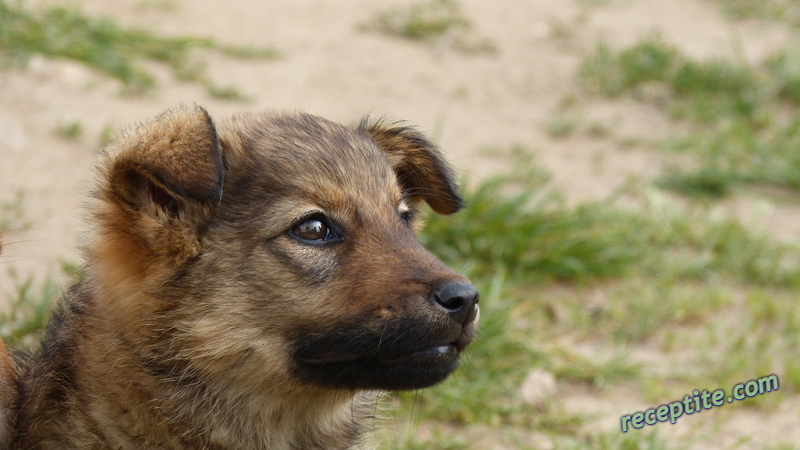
(459,300)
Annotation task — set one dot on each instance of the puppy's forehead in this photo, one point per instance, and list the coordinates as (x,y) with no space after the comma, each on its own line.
(326,161)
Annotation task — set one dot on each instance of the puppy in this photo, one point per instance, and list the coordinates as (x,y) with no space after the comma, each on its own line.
(248,284)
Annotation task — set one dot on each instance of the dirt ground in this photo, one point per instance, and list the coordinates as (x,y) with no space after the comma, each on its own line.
(332,67)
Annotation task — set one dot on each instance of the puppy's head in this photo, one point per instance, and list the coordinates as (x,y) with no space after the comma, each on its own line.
(280,250)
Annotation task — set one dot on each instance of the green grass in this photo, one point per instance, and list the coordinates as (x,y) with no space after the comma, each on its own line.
(226,92)
(516,223)
(757,344)
(29,305)
(437,22)
(787,11)
(614,440)
(662,267)
(102,44)
(12,213)
(99,43)
(70,130)
(782,446)
(248,52)
(107,135)
(158,5)
(703,183)
(427,20)
(602,372)
(439,439)
(653,70)
(690,244)
(28,310)
(642,311)
(744,126)
(784,67)
(594,3)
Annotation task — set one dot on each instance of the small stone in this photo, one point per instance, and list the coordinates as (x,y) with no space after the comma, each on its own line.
(539,386)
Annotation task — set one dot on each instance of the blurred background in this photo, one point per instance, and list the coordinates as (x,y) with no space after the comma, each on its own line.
(632,169)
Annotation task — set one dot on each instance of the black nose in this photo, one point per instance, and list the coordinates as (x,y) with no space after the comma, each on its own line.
(460,300)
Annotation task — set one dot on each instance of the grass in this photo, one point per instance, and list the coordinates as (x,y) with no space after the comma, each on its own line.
(616,441)
(107,135)
(642,311)
(653,70)
(102,44)
(529,231)
(661,267)
(705,289)
(428,20)
(437,22)
(602,372)
(158,5)
(438,439)
(703,183)
(12,213)
(694,245)
(28,310)
(757,344)
(787,11)
(70,129)
(226,92)
(744,120)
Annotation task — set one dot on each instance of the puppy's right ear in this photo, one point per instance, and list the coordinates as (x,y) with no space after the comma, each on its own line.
(162,182)
(169,162)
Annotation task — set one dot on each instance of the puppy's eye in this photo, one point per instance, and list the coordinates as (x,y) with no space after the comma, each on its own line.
(408,216)
(314,229)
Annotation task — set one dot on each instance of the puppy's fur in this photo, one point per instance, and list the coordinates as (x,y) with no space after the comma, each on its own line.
(248,285)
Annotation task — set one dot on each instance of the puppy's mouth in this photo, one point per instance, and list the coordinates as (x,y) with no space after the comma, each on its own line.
(439,354)
(369,366)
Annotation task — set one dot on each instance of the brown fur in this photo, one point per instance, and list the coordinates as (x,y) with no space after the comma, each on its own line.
(248,285)
(9,382)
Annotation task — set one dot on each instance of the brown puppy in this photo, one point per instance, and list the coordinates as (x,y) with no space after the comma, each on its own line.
(248,285)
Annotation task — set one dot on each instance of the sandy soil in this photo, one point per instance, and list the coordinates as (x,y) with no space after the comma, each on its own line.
(332,67)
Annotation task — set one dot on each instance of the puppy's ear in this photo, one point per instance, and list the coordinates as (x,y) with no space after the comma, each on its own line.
(162,182)
(169,163)
(420,167)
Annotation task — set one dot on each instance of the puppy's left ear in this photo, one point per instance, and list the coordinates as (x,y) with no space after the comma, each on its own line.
(420,167)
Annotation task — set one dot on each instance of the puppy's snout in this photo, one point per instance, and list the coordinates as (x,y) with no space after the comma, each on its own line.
(458,299)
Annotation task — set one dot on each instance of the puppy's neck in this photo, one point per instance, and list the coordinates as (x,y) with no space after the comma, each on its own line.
(328,420)
(207,410)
